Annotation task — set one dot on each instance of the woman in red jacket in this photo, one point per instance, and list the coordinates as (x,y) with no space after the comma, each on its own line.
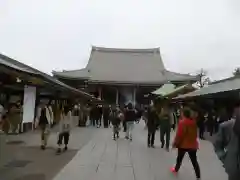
(186,141)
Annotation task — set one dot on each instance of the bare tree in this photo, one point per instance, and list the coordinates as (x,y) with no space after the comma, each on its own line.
(236,72)
(203,79)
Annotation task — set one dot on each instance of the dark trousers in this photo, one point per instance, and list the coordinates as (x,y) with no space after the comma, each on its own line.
(211,129)
(105,121)
(93,121)
(124,126)
(165,133)
(193,157)
(115,131)
(63,136)
(151,137)
(201,132)
(99,121)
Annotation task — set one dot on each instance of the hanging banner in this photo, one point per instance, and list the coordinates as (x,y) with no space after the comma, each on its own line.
(29,104)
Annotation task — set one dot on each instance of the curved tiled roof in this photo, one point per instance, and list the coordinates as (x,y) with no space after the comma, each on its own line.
(135,66)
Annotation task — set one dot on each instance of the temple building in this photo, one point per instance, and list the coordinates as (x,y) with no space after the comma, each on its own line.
(119,76)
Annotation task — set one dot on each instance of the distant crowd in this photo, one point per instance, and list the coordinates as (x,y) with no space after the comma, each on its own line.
(188,119)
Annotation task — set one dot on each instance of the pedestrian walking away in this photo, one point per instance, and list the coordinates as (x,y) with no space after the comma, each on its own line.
(186,142)
(166,121)
(65,126)
(151,125)
(117,117)
(43,120)
(130,118)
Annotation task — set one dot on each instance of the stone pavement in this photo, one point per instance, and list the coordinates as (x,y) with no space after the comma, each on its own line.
(105,159)
(24,160)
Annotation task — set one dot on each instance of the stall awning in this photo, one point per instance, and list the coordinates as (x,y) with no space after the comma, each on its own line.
(165,89)
(230,84)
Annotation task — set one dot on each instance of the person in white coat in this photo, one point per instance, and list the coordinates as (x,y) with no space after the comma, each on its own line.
(65,126)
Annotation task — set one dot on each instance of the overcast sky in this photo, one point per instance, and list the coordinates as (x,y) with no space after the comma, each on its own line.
(58,34)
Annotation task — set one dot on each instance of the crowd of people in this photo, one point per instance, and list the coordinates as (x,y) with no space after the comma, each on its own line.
(188,119)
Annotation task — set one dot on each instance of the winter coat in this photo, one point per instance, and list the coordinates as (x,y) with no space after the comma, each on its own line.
(226,146)
(130,115)
(43,116)
(152,120)
(186,136)
(116,118)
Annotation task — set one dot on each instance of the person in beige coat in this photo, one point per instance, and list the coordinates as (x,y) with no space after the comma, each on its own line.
(44,121)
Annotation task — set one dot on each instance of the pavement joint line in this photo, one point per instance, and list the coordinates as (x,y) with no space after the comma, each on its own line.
(131,161)
(116,158)
(93,146)
(101,157)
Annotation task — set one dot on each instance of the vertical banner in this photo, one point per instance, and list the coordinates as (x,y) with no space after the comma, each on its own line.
(29,104)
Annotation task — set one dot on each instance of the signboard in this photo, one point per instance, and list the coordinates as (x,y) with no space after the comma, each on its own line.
(29,104)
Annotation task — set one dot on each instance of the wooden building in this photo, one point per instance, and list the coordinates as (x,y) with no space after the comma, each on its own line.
(119,76)
(23,84)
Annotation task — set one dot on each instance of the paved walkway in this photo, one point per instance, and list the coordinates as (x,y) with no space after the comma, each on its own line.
(104,159)
(26,161)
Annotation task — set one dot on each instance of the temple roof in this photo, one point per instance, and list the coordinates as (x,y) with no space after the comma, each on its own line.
(137,66)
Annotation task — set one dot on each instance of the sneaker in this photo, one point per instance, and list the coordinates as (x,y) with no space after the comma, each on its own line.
(65,148)
(173,170)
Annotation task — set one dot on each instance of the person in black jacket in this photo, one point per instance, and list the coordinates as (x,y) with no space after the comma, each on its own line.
(151,125)
(130,117)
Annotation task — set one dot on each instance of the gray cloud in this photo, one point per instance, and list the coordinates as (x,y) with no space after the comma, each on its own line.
(58,34)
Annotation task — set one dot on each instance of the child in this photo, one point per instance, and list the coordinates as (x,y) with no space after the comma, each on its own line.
(65,126)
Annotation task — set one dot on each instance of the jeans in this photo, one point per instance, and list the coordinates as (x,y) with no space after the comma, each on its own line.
(193,157)
(129,126)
